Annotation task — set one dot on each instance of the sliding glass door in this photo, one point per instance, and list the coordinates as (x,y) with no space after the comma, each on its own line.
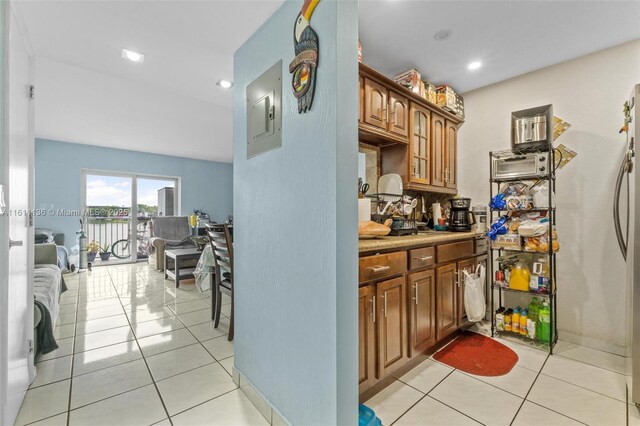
(119,207)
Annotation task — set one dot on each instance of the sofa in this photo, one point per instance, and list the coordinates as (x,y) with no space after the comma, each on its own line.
(48,285)
(168,232)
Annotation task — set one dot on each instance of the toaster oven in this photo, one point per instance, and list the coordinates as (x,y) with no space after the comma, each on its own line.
(528,165)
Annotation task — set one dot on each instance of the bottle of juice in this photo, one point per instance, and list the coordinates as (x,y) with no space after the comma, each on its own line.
(507,320)
(544,330)
(523,322)
(515,320)
(532,318)
(520,276)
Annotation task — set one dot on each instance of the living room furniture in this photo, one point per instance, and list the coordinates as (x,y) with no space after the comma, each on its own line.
(222,246)
(182,259)
(48,284)
(168,232)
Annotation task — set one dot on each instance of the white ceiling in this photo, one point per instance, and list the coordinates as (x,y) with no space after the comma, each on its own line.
(510,37)
(188,45)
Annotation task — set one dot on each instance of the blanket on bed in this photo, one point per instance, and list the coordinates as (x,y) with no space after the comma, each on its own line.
(48,284)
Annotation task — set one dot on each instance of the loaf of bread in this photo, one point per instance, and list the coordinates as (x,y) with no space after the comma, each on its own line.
(370,228)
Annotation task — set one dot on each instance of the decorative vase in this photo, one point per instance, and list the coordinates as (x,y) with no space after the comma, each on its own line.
(91,256)
(105,256)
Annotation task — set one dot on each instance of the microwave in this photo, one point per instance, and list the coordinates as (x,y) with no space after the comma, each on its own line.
(529,165)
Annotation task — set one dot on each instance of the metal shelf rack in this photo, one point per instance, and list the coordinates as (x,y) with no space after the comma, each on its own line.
(494,188)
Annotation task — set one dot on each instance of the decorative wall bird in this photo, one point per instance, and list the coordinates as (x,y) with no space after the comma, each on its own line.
(303,67)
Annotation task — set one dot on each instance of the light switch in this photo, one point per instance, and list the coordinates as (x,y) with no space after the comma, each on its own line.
(264,112)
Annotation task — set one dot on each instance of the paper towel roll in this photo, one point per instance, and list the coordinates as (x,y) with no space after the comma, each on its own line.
(364,209)
(437,212)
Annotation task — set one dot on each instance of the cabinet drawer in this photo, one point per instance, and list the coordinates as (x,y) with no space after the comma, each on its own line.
(481,246)
(453,251)
(382,265)
(420,258)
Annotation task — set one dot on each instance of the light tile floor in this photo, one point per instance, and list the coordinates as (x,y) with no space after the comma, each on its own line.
(134,350)
(576,385)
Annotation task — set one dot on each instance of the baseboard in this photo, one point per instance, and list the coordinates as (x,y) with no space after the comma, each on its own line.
(258,400)
(594,343)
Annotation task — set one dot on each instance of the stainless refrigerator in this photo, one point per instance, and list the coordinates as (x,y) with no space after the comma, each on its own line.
(626,215)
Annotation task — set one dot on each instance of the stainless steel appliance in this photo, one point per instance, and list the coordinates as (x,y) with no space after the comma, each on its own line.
(517,166)
(165,201)
(532,128)
(461,219)
(629,235)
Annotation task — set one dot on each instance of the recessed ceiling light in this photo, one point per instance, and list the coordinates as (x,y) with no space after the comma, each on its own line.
(474,65)
(225,84)
(442,35)
(133,56)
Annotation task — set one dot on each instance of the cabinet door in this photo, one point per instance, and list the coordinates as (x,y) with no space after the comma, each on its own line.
(451,154)
(375,104)
(361,100)
(366,337)
(469,266)
(391,320)
(399,115)
(422,311)
(437,149)
(446,300)
(420,145)
(484,261)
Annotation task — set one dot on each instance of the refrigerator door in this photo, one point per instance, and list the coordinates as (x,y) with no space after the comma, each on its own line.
(633,251)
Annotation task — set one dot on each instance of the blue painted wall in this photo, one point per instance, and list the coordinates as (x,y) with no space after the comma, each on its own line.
(205,185)
(295,239)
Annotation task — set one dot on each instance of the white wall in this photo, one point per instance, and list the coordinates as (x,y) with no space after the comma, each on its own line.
(82,106)
(587,92)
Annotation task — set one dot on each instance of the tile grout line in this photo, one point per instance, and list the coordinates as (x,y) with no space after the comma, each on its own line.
(447,405)
(529,391)
(73,353)
(557,412)
(582,387)
(153,380)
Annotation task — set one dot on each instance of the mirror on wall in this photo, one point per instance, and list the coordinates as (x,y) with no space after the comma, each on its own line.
(369,166)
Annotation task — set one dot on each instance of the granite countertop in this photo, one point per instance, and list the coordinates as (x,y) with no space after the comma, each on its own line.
(407,241)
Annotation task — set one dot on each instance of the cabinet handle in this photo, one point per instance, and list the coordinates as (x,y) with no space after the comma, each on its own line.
(416,290)
(373,311)
(446,174)
(385,304)
(377,269)
(457,278)
(423,258)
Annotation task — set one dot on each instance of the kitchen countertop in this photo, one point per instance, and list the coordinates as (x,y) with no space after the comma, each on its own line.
(408,241)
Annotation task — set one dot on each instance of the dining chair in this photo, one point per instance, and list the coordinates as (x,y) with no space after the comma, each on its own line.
(222,247)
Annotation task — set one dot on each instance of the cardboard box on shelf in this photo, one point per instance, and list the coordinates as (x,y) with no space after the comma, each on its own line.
(446,98)
(410,79)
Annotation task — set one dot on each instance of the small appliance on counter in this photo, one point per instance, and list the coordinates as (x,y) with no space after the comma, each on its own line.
(532,128)
(461,218)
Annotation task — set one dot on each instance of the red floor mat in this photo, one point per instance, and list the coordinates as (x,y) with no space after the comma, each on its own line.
(477,354)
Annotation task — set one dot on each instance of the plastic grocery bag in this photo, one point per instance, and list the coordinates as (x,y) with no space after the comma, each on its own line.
(204,269)
(474,300)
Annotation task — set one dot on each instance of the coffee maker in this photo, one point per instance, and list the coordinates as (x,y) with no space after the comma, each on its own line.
(460,218)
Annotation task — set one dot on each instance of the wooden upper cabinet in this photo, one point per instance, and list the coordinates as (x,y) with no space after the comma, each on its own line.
(361,100)
(398,115)
(469,266)
(422,311)
(420,145)
(446,300)
(375,104)
(451,154)
(391,321)
(366,337)
(438,130)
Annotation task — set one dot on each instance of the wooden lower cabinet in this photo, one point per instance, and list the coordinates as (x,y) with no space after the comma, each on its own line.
(446,300)
(421,291)
(392,329)
(468,265)
(366,337)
